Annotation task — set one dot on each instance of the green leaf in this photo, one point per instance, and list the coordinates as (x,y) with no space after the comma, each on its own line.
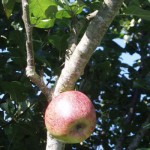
(62,14)
(51,11)
(134,3)
(142,83)
(42,23)
(8,6)
(42,13)
(137,11)
(19,40)
(58,42)
(147,126)
(43,60)
(16,90)
(1,117)
(76,9)
(18,1)
(68,10)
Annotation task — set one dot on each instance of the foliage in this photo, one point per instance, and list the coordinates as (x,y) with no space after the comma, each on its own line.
(114,86)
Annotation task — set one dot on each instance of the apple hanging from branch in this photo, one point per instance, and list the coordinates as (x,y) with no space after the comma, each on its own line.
(70,117)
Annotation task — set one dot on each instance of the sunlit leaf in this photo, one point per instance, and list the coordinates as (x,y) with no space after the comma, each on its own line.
(42,13)
(62,14)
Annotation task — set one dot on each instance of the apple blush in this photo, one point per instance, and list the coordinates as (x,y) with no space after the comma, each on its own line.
(70,117)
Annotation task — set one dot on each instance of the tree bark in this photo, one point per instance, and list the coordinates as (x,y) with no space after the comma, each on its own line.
(53,144)
(74,67)
(90,40)
(30,69)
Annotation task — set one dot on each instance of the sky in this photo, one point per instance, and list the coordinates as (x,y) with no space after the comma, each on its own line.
(126,57)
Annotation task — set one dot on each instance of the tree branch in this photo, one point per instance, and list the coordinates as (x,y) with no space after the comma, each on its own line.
(74,68)
(133,145)
(128,119)
(53,144)
(75,31)
(30,69)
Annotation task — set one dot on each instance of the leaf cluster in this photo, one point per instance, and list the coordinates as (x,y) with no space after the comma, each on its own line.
(114,86)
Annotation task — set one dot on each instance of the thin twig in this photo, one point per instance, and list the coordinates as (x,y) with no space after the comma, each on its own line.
(135,142)
(30,69)
(91,15)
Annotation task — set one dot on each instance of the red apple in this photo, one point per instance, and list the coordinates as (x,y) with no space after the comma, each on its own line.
(70,117)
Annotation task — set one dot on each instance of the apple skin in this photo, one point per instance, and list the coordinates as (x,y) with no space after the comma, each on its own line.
(70,117)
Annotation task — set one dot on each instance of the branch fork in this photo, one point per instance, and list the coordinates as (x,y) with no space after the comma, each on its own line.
(80,53)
